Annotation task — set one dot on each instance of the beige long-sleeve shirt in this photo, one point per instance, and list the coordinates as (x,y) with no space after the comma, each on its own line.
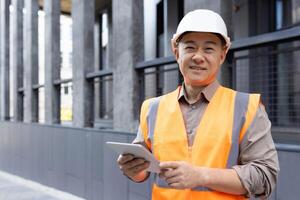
(257,163)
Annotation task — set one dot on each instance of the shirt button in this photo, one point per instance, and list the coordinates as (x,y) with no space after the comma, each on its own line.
(190,131)
(193,107)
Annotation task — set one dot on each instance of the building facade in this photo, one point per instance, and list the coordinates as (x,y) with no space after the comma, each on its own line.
(73,75)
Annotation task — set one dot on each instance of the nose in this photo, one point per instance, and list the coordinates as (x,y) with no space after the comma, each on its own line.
(198,57)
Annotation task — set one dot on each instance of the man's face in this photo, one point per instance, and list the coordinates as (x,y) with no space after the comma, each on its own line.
(200,56)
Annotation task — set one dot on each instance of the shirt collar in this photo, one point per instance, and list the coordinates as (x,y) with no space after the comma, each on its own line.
(208,92)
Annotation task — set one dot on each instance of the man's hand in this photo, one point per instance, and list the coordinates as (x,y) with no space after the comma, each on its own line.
(181,175)
(133,167)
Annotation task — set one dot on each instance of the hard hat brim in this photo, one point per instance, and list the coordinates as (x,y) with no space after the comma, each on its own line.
(177,37)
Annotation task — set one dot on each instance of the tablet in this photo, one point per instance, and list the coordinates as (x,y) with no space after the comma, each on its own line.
(137,150)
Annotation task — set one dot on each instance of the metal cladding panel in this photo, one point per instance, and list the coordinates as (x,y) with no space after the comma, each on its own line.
(96,141)
(75,153)
(289,179)
(115,185)
(94,166)
(134,196)
(139,190)
(96,190)
(75,161)
(37,156)
(59,156)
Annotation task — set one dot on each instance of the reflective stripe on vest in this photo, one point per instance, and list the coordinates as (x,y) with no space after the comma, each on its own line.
(240,109)
(151,117)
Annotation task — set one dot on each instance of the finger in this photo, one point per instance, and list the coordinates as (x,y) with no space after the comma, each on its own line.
(176,185)
(166,165)
(140,168)
(171,173)
(125,158)
(133,163)
(136,170)
(162,172)
(172,180)
(161,175)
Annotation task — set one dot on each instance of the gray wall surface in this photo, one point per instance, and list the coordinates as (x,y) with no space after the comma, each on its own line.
(77,161)
(69,159)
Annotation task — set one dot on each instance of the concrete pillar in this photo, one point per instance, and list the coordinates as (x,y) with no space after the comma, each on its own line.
(83,15)
(171,21)
(17,58)
(31,61)
(128,50)
(171,16)
(52,61)
(190,5)
(4,59)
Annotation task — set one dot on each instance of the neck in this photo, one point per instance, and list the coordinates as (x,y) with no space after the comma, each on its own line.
(193,93)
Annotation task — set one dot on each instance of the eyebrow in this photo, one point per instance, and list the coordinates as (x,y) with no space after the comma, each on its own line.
(210,42)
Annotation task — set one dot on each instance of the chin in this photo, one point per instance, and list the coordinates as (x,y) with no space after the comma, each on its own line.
(196,82)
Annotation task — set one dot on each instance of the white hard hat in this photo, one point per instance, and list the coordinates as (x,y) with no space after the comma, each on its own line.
(201,20)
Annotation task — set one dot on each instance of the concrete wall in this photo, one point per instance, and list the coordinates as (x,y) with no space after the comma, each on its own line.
(69,159)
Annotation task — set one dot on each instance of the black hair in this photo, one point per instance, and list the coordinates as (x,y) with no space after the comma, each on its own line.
(223,41)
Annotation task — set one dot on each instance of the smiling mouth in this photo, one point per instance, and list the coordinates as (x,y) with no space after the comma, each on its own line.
(197,68)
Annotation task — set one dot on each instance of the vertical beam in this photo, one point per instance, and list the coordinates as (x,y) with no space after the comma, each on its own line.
(128,35)
(17,58)
(4,60)
(171,15)
(83,16)
(98,61)
(31,61)
(52,61)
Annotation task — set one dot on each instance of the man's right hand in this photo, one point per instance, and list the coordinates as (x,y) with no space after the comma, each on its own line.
(133,167)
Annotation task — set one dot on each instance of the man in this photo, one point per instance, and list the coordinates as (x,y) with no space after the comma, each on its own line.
(212,142)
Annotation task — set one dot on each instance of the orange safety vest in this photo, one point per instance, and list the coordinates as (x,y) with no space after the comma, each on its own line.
(216,144)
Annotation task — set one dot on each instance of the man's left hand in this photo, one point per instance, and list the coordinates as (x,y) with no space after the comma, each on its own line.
(181,174)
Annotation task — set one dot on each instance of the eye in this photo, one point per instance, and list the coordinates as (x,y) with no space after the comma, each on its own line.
(189,48)
(209,50)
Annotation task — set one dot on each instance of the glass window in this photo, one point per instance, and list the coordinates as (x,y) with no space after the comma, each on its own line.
(66,70)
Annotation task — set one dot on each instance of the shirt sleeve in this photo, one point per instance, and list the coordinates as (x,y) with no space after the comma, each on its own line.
(258,161)
(143,127)
(139,139)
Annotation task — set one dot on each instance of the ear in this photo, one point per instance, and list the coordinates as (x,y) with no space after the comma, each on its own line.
(223,54)
(175,49)
(176,53)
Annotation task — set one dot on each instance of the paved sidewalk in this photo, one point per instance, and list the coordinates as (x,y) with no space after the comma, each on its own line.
(15,188)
